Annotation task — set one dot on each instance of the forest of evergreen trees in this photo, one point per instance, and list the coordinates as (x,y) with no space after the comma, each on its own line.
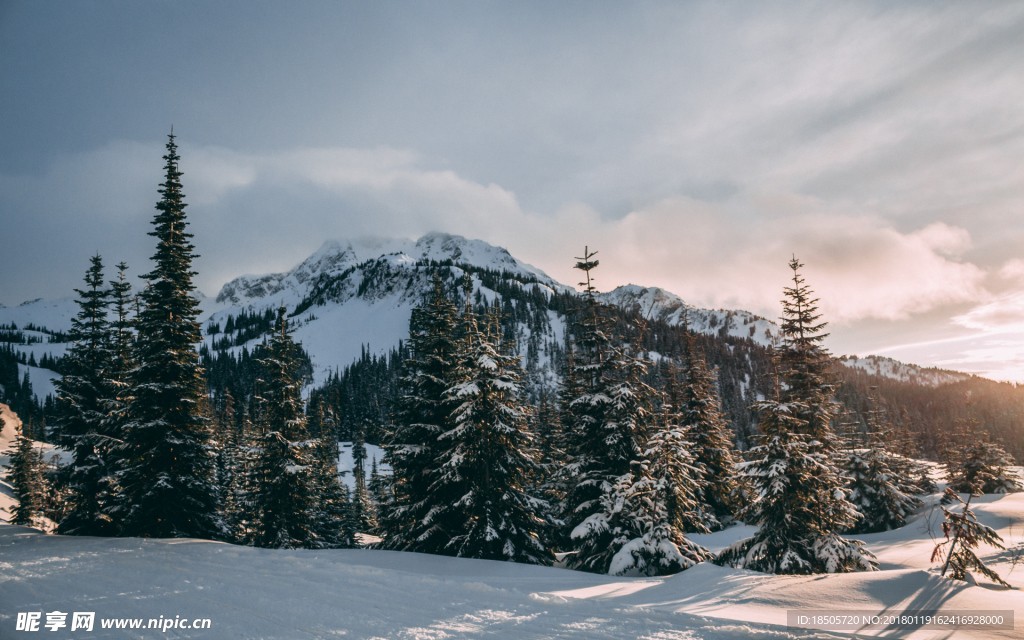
(613,467)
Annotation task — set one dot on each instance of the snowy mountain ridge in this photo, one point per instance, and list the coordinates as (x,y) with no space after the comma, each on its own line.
(889,368)
(335,257)
(352,293)
(656,303)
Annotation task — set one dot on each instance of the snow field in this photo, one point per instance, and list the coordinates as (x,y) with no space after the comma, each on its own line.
(260,593)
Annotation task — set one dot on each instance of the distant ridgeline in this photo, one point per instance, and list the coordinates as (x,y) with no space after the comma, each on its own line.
(362,394)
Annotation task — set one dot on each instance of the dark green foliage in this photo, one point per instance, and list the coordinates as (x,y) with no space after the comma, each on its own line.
(168,481)
(719,493)
(84,396)
(976,465)
(424,414)
(25,473)
(801,507)
(604,424)
(283,482)
(963,534)
(875,489)
(661,494)
(880,483)
(482,503)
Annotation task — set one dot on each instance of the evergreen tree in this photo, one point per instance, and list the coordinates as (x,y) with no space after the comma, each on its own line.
(240,505)
(875,489)
(661,494)
(168,483)
(364,515)
(604,420)
(285,488)
(670,457)
(979,465)
(121,363)
(801,505)
(482,504)
(712,447)
(963,534)
(424,413)
(83,401)
(379,489)
(880,483)
(230,461)
(25,473)
(332,510)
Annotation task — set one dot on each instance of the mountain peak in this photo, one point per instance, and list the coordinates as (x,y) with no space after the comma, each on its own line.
(654,302)
(336,255)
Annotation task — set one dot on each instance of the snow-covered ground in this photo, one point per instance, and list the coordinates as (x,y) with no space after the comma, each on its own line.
(259,593)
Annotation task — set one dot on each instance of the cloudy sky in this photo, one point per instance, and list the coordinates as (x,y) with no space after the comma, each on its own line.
(697,146)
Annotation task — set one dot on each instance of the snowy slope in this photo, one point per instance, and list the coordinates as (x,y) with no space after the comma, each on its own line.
(662,305)
(42,380)
(360,294)
(55,315)
(258,593)
(346,465)
(889,368)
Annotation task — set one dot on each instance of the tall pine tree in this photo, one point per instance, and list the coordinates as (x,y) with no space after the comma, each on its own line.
(424,413)
(83,396)
(482,502)
(284,491)
(168,482)
(25,473)
(604,424)
(802,506)
(712,446)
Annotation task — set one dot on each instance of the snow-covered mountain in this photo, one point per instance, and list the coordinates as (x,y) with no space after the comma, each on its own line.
(351,296)
(652,302)
(336,257)
(356,295)
(889,368)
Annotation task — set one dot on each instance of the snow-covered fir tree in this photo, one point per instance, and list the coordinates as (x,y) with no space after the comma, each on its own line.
(25,474)
(168,484)
(230,458)
(84,401)
(364,511)
(482,504)
(880,483)
(670,458)
(874,486)
(801,506)
(239,504)
(332,511)
(379,487)
(424,413)
(604,425)
(719,494)
(963,533)
(121,363)
(978,466)
(662,494)
(284,490)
